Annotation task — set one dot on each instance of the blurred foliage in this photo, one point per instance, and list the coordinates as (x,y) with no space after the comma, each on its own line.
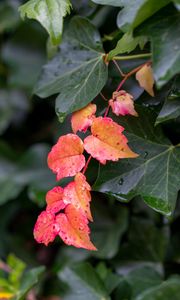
(138,249)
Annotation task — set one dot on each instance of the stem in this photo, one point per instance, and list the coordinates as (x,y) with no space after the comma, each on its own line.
(107,111)
(127,57)
(104,98)
(117,66)
(130,74)
(86,165)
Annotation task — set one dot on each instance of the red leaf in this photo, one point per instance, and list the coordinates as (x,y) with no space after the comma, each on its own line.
(46,228)
(54,199)
(83,118)
(107,141)
(74,228)
(66,157)
(122,104)
(78,194)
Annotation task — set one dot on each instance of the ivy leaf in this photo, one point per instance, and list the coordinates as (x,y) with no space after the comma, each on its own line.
(78,194)
(83,118)
(66,158)
(164,34)
(74,229)
(122,104)
(29,279)
(107,141)
(134,12)
(127,44)
(54,199)
(84,283)
(49,13)
(166,290)
(77,68)
(171,107)
(46,228)
(154,174)
(145,78)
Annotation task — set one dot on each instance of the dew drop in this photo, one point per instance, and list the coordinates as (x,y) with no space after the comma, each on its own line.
(145,154)
(121,181)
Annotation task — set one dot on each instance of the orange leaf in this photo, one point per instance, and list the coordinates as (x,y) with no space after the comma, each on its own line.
(54,199)
(122,104)
(78,194)
(83,118)
(66,157)
(46,228)
(145,78)
(107,141)
(74,228)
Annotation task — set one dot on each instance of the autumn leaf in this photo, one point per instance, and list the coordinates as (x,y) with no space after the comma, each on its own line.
(145,78)
(107,141)
(74,229)
(54,199)
(5,295)
(122,104)
(46,229)
(83,118)
(66,157)
(78,194)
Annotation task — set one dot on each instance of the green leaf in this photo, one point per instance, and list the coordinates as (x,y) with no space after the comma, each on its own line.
(17,267)
(134,12)
(49,13)
(171,107)
(126,44)
(109,2)
(29,279)
(154,174)
(164,33)
(110,279)
(169,289)
(146,242)
(84,283)
(77,72)
(107,232)
(143,278)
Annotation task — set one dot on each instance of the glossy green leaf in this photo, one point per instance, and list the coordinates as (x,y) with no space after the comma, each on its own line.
(164,33)
(49,13)
(171,107)
(154,174)
(77,68)
(126,44)
(84,283)
(146,242)
(134,12)
(29,279)
(142,278)
(169,289)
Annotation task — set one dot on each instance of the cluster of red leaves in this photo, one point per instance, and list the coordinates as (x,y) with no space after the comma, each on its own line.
(68,209)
